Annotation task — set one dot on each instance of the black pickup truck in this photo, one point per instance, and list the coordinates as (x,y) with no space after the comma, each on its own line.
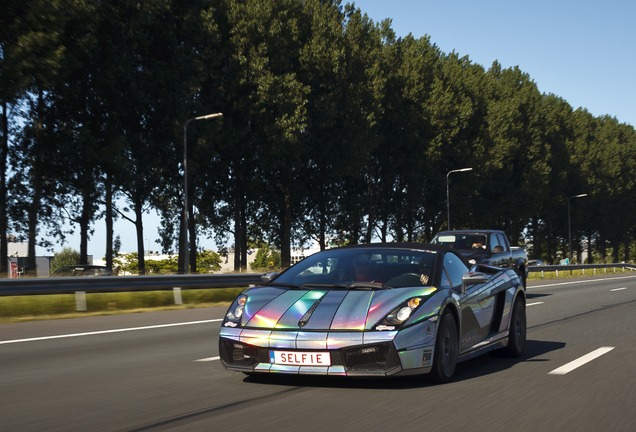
(486,247)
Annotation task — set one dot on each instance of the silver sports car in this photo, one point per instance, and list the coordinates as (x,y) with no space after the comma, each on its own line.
(375,310)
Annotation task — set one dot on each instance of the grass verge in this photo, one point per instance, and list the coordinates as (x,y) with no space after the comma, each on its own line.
(57,306)
(566,273)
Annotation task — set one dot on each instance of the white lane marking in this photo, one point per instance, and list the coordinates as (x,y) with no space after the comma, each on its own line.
(107,331)
(618,289)
(569,367)
(579,282)
(534,304)
(208,359)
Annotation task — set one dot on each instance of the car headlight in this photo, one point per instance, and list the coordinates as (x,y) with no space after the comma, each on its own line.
(399,315)
(235,312)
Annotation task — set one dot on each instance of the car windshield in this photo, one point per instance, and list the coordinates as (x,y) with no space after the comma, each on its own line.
(362,268)
(461,241)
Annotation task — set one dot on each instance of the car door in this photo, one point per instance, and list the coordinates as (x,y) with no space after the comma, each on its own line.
(477,304)
(497,250)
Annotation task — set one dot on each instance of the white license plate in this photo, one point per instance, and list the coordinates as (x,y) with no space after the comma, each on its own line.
(300,358)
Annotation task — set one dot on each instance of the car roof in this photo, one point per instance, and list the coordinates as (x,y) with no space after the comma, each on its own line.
(81,266)
(471,231)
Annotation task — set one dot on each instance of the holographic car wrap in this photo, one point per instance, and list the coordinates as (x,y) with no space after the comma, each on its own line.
(315,318)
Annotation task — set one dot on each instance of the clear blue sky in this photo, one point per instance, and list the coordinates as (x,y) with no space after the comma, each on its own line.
(583,51)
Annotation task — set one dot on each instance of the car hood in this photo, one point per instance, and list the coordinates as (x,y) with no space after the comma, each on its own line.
(285,309)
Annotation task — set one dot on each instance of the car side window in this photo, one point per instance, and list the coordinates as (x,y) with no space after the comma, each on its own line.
(494,242)
(502,242)
(445,281)
(455,269)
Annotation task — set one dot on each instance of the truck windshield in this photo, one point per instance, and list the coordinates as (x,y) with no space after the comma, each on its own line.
(461,241)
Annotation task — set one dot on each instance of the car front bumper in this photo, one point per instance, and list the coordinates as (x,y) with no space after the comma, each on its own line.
(370,354)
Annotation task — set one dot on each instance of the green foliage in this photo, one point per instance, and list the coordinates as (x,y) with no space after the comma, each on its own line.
(208,262)
(65,257)
(266,259)
(332,127)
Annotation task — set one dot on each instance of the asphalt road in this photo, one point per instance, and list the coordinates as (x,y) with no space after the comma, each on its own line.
(160,372)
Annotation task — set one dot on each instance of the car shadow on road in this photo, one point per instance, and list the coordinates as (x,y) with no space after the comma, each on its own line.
(493,363)
(483,365)
(534,296)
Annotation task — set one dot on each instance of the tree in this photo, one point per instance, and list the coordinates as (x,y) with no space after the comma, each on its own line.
(34,29)
(66,257)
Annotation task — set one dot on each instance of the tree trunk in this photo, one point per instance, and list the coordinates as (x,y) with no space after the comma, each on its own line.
(286,219)
(243,235)
(34,207)
(4,150)
(322,231)
(238,232)
(192,235)
(615,252)
(109,223)
(141,253)
(182,261)
(84,222)
(536,242)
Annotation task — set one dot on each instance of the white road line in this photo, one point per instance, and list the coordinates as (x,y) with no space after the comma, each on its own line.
(579,282)
(534,304)
(581,361)
(107,331)
(618,289)
(208,359)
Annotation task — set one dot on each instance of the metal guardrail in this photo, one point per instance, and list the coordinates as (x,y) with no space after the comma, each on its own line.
(583,267)
(69,285)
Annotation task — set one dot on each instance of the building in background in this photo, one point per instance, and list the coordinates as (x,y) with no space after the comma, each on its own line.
(18,260)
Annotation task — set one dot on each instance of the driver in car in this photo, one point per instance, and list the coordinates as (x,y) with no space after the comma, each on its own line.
(362,269)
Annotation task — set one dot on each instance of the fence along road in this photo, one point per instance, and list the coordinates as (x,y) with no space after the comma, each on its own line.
(36,286)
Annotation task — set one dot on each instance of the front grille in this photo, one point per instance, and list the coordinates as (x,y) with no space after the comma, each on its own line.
(380,357)
(372,357)
(237,353)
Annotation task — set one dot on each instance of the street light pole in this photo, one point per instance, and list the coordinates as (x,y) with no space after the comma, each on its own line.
(448,192)
(184,251)
(570,224)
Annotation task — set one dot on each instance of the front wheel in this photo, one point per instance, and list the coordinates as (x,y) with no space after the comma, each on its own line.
(517,334)
(446,347)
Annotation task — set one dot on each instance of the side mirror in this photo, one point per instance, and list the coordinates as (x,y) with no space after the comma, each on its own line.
(269,276)
(473,278)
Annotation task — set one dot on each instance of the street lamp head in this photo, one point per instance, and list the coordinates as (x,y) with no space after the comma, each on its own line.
(209,116)
(458,170)
(579,196)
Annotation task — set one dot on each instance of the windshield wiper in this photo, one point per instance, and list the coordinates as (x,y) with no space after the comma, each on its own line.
(284,285)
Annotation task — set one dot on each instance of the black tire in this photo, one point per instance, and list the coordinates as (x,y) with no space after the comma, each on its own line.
(518,329)
(446,349)
(522,276)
